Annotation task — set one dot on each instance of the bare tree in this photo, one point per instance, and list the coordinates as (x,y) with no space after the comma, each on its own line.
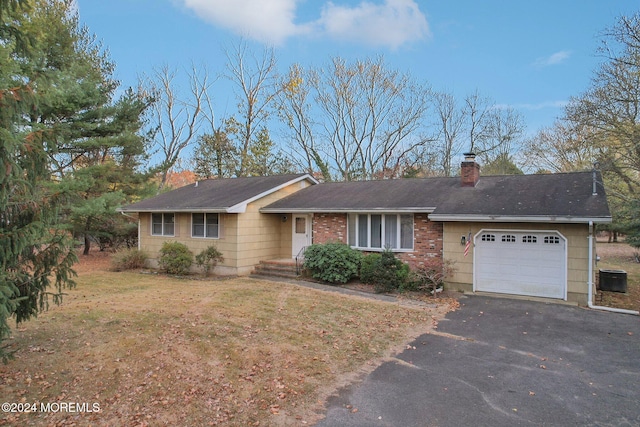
(611,107)
(370,119)
(294,103)
(563,147)
(477,113)
(256,85)
(176,118)
(493,131)
(451,125)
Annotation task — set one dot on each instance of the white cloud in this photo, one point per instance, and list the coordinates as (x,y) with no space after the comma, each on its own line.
(553,59)
(269,21)
(533,107)
(389,23)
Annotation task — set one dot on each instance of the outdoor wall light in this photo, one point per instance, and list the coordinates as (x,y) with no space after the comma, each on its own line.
(284,218)
(463,240)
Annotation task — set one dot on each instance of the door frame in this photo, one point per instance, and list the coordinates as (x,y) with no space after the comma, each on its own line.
(298,244)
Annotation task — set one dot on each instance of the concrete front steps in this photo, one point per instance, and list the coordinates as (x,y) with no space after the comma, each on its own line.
(276,267)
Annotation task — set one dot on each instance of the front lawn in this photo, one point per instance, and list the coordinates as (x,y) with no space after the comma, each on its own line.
(155,350)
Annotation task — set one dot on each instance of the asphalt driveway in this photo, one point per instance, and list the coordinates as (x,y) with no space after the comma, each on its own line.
(505,362)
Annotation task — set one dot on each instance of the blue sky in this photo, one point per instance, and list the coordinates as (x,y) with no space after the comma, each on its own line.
(530,55)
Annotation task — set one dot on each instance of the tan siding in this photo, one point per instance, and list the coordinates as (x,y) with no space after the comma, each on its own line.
(577,252)
(225,244)
(260,236)
(245,238)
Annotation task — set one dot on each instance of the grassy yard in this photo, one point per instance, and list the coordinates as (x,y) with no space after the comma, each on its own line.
(156,350)
(620,256)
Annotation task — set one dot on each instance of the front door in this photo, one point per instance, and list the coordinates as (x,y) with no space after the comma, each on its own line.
(301,233)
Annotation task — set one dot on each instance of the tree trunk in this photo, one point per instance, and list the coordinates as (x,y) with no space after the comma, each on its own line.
(87,244)
(87,240)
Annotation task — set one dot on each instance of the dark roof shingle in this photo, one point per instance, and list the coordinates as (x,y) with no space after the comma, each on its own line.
(567,195)
(212,194)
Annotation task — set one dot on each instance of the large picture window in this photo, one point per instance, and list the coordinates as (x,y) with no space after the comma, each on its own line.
(379,231)
(205,225)
(162,224)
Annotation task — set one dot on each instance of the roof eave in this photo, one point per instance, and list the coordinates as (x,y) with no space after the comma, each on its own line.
(171,210)
(346,210)
(523,218)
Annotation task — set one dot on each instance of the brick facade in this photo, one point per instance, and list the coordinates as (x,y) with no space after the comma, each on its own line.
(427,235)
(329,227)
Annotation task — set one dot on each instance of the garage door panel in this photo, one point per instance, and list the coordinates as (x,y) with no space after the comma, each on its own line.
(520,263)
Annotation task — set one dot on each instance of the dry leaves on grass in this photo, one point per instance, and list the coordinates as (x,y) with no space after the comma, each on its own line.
(154,350)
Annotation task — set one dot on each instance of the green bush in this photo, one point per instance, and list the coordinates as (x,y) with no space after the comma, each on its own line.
(209,258)
(384,271)
(368,268)
(129,259)
(332,262)
(175,258)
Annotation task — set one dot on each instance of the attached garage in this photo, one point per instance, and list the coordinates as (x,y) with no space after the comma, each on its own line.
(521,262)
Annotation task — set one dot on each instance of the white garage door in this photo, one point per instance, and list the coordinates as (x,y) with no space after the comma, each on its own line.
(521,263)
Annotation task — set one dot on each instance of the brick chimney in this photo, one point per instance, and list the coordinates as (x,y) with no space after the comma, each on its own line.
(470,171)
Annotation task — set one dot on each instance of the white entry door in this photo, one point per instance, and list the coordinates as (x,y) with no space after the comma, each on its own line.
(301,233)
(518,262)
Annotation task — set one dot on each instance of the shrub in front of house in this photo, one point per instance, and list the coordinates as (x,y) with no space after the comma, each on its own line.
(208,259)
(130,259)
(175,258)
(430,276)
(384,271)
(332,262)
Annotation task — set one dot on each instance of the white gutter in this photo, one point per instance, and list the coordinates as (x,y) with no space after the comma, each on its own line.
(512,218)
(590,283)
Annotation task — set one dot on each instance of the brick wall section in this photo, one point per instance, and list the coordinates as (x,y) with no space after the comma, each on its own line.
(427,241)
(469,173)
(329,227)
(427,235)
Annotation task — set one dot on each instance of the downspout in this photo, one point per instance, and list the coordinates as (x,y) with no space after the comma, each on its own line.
(133,217)
(590,283)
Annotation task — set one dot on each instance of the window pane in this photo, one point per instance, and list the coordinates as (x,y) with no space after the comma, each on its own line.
(156,224)
(352,229)
(301,225)
(197,225)
(391,231)
(376,231)
(212,225)
(363,240)
(406,231)
(212,230)
(168,224)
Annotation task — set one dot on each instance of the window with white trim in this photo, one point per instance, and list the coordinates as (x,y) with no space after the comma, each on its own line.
(378,231)
(488,238)
(508,238)
(162,224)
(529,239)
(205,225)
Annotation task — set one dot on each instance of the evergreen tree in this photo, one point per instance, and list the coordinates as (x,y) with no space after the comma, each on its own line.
(93,142)
(69,153)
(36,255)
(215,156)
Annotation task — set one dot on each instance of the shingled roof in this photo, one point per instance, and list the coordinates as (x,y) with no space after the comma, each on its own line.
(216,195)
(565,197)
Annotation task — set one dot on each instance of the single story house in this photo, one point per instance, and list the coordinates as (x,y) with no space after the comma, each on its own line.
(518,234)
